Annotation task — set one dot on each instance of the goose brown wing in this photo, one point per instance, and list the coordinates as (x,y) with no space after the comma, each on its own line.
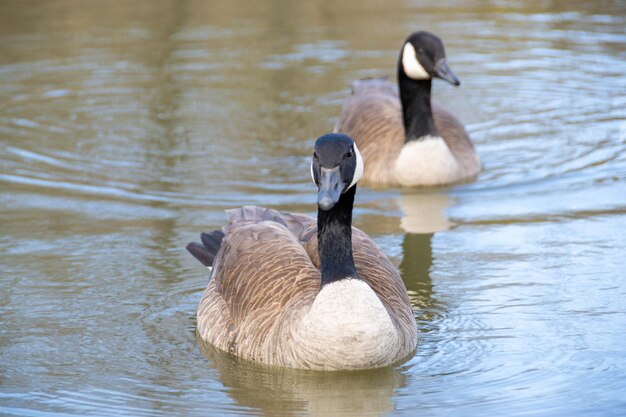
(296,223)
(457,139)
(262,279)
(372,116)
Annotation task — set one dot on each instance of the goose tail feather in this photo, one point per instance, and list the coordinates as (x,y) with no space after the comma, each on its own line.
(205,252)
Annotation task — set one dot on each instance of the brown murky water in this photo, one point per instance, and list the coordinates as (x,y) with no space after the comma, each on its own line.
(127,127)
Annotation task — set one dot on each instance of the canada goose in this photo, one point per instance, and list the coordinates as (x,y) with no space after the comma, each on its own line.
(274,298)
(405,140)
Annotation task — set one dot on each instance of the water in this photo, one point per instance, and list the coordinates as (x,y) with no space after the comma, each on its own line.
(126,129)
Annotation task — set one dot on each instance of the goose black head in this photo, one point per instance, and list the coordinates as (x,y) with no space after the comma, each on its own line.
(424,57)
(336,167)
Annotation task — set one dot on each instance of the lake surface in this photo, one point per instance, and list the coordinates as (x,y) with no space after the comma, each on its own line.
(126,128)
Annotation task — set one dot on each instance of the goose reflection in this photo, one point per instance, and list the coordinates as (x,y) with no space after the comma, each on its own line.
(424,212)
(417,259)
(290,392)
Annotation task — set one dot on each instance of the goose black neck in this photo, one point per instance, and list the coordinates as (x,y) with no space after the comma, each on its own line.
(334,239)
(416,107)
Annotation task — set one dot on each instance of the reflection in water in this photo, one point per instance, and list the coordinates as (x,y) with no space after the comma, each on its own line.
(416,262)
(424,212)
(417,259)
(290,392)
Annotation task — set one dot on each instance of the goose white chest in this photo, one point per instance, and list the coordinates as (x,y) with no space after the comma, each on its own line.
(347,328)
(426,161)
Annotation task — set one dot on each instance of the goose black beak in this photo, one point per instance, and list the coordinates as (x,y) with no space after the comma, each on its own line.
(330,188)
(443,71)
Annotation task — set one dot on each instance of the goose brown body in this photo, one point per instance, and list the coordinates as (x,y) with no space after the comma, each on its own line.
(372,116)
(265,280)
(438,152)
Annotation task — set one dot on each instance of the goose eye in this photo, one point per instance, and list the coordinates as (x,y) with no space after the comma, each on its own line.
(349,154)
(314,155)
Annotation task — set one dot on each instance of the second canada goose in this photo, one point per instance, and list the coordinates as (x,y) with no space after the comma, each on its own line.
(405,139)
(291,291)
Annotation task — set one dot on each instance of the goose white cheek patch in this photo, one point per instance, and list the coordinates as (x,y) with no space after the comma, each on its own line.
(358,170)
(411,65)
